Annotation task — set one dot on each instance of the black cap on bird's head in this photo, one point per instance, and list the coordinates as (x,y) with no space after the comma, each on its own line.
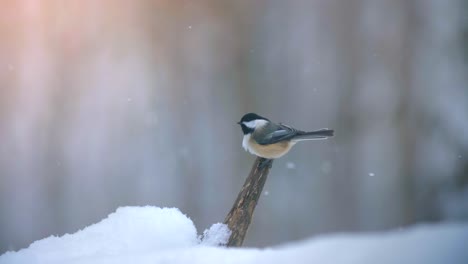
(249,118)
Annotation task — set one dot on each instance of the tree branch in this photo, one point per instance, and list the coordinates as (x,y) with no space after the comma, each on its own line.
(240,216)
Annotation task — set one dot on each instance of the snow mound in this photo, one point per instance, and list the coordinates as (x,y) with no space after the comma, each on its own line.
(165,235)
(128,231)
(218,234)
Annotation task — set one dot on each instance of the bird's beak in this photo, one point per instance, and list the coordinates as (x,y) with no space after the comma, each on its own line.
(239,123)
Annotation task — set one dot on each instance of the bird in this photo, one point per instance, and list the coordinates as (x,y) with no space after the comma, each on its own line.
(269,140)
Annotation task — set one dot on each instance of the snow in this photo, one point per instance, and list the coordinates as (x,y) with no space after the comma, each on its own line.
(165,235)
(290,165)
(218,234)
(130,230)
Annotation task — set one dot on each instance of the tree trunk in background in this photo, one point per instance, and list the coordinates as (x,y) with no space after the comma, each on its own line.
(128,105)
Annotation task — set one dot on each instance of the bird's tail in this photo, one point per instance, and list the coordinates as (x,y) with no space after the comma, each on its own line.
(319,134)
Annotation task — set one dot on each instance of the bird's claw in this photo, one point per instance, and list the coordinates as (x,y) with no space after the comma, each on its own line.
(265,163)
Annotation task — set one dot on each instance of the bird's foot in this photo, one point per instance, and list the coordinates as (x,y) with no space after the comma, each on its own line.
(265,163)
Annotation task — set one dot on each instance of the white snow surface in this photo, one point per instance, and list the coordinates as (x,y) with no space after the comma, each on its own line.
(218,234)
(165,235)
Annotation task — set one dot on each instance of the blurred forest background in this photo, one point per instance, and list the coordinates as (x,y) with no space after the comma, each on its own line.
(112,103)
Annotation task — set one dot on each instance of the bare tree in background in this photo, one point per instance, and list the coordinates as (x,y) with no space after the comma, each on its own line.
(105,104)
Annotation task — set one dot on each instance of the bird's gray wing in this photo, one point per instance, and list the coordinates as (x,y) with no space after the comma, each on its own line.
(274,133)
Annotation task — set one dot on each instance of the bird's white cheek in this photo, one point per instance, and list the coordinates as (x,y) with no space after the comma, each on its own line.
(245,142)
(255,123)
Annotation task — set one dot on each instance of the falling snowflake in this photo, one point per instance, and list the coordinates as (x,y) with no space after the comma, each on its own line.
(290,165)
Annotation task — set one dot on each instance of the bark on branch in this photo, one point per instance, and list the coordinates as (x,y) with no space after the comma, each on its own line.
(240,216)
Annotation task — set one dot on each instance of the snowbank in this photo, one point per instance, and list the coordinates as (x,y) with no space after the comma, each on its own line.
(163,235)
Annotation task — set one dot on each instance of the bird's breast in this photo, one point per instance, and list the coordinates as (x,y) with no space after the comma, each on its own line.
(271,151)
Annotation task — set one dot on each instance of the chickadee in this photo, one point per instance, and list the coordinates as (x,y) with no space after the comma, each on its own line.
(269,140)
